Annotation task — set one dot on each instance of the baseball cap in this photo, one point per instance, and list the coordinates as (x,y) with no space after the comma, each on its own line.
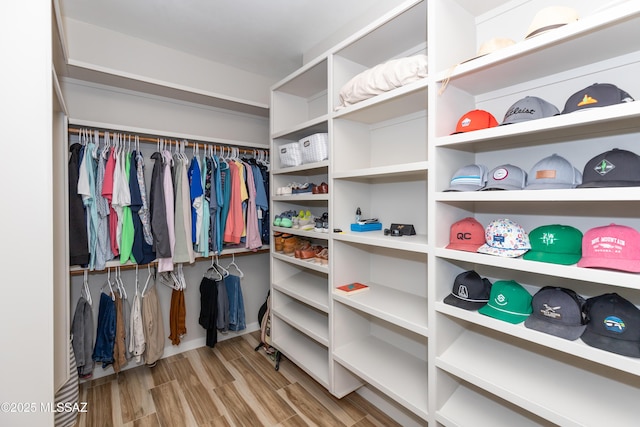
(549,18)
(469,178)
(557,311)
(555,243)
(475,120)
(508,301)
(505,238)
(553,172)
(529,108)
(613,324)
(492,45)
(614,168)
(470,291)
(466,235)
(596,95)
(611,246)
(506,177)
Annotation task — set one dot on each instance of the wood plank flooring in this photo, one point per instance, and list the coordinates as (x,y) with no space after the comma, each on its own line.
(229,385)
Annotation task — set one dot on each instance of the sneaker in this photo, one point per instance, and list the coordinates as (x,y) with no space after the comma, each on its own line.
(319,225)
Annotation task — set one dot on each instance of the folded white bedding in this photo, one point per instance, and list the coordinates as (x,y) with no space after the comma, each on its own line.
(382,78)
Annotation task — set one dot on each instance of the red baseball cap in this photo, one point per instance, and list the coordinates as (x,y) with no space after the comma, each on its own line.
(475,120)
(466,235)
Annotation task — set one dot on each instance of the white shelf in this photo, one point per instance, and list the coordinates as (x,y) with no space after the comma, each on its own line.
(591,39)
(415,169)
(465,407)
(595,275)
(301,197)
(306,169)
(310,322)
(417,243)
(310,264)
(576,348)
(306,353)
(406,310)
(302,233)
(626,194)
(399,375)
(307,288)
(547,385)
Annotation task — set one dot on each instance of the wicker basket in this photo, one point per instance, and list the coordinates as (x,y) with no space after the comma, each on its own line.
(290,155)
(314,148)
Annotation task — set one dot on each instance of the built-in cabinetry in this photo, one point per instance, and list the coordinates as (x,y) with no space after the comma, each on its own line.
(485,371)
(393,156)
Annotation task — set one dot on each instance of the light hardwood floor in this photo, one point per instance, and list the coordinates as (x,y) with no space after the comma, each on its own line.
(229,385)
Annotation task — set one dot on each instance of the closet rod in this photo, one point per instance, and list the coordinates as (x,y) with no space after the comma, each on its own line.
(78,271)
(154,140)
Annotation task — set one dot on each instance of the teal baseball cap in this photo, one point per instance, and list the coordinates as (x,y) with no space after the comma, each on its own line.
(556,244)
(508,301)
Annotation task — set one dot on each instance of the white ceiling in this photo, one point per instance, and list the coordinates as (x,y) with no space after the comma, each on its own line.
(267,37)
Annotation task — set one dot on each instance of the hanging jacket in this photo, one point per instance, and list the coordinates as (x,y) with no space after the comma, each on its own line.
(82,332)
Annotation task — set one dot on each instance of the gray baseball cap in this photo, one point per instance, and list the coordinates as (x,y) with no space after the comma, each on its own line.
(557,311)
(553,172)
(506,177)
(469,178)
(529,108)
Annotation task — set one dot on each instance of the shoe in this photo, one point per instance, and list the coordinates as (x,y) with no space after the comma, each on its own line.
(303,188)
(304,245)
(323,256)
(318,226)
(310,252)
(321,189)
(290,244)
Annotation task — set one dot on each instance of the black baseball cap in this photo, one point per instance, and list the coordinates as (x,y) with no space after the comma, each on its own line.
(613,168)
(596,95)
(557,311)
(470,291)
(613,324)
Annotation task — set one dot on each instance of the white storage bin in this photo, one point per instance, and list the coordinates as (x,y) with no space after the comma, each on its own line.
(290,155)
(314,148)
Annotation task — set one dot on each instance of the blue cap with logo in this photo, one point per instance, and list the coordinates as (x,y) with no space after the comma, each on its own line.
(613,324)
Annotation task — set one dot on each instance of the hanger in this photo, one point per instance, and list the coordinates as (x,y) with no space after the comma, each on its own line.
(108,283)
(233,263)
(146,284)
(213,269)
(120,283)
(85,288)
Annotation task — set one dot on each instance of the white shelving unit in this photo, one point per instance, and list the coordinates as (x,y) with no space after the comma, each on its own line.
(509,374)
(393,156)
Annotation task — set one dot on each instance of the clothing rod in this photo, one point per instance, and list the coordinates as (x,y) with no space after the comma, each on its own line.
(154,140)
(79,271)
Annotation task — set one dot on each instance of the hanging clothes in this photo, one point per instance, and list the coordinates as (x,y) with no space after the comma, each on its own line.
(107,193)
(79,245)
(154,335)
(209,308)
(253,239)
(234,227)
(177,317)
(158,210)
(204,240)
(119,343)
(225,185)
(183,250)
(222,319)
(166,263)
(105,332)
(127,231)
(137,342)
(82,335)
(261,199)
(143,212)
(237,320)
(141,251)
(87,188)
(195,194)
(103,246)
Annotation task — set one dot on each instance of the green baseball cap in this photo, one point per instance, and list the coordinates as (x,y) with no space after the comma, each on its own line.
(509,301)
(555,243)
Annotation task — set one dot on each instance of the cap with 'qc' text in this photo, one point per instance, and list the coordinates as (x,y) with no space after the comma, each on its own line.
(466,235)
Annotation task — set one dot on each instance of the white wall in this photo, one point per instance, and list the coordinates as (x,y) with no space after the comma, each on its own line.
(26,307)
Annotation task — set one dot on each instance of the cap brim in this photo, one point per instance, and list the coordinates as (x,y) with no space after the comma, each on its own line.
(564,259)
(464,188)
(567,332)
(454,300)
(549,186)
(509,253)
(630,265)
(501,187)
(623,347)
(601,184)
(463,247)
(500,314)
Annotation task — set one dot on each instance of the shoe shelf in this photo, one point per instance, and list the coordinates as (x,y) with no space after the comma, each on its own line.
(307,169)
(305,285)
(311,356)
(523,373)
(391,359)
(315,235)
(311,322)
(310,264)
(301,197)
